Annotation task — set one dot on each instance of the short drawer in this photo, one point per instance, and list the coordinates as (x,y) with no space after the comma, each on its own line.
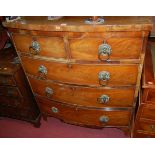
(103,46)
(40,45)
(7,80)
(84,116)
(84,96)
(9,91)
(148,112)
(82,74)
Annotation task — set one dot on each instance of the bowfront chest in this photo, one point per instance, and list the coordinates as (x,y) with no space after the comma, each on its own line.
(83,74)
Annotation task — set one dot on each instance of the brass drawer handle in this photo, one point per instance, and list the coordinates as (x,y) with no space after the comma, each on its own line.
(95,20)
(152,127)
(103,77)
(104,119)
(34,48)
(104,52)
(42,70)
(54,110)
(48,91)
(104,99)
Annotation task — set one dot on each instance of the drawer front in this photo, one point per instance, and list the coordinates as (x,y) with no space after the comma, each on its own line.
(82,74)
(83,46)
(147,126)
(84,96)
(43,46)
(148,111)
(84,116)
(9,91)
(94,46)
(10,102)
(7,80)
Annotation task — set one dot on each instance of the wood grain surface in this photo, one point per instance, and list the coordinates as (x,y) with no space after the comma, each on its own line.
(78,115)
(82,74)
(84,96)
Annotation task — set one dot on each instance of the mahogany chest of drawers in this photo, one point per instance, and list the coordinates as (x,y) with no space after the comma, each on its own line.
(83,74)
(16,99)
(145,118)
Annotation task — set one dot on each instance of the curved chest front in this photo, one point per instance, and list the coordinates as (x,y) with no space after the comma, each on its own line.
(84,78)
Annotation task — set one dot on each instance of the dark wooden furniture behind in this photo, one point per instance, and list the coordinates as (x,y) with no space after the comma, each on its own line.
(83,74)
(16,99)
(145,119)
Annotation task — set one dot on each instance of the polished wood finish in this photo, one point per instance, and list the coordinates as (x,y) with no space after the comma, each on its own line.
(83,46)
(84,116)
(69,65)
(16,100)
(76,24)
(148,78)
(84,96)
(149,96)
(145,118)
(120,75)
(50,46)
(148,112)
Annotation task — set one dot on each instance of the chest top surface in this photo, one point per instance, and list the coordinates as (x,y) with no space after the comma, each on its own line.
(77,24)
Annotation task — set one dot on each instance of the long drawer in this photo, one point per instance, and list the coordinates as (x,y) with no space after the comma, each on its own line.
(82,46)
(84,116)
(82,74)
(84,96)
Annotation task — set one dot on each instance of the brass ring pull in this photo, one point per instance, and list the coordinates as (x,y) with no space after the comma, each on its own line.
(103,77)
(48,91)
(34,48)
(104,52)
(95,20)
(54,110)
(42,70)
(104,119)
(104,99)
